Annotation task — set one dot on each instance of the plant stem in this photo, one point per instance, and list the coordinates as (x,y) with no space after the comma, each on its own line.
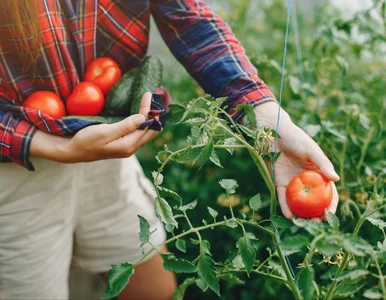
(365,146)
(381,279)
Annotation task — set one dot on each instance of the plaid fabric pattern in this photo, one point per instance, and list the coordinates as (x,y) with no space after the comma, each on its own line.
(77,31)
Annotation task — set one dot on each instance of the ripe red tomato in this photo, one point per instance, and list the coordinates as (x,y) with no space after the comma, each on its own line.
(309,194)
(85,100)
(48,102)
(103,72)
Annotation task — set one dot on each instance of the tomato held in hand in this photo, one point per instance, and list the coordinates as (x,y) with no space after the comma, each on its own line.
(86,100)
(48,102)
(103,72)
(309,194)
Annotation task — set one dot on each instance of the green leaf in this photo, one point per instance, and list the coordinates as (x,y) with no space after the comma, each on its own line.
(249,112)
(188,206)
(230,142)
(229,185)
(179,293)
(327,248)
(214,159)
(295,84)
(164,211)
(175,113)
(160,177)
(231,223)
(248,132)
(353,274)
(195,121)
(247,251)
(377,222)
(231,278)
(356,245)
(237,262)
(177,265)
(206,153)
(169,228)
(180,245)
(144,227)
(296,242)
(169,194)
(206,271)
(305,283)
(332,220)
(281,221)
(348,290)
(188,155)
(255,202)
(118,278)
(213,212)
(372,294)
(202,285)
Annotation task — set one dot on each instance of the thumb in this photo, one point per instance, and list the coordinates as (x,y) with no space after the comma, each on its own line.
(320,160)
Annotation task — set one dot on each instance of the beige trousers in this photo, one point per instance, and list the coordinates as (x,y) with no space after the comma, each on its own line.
(84,215)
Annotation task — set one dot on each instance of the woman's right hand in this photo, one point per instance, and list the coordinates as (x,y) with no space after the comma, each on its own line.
(97,142)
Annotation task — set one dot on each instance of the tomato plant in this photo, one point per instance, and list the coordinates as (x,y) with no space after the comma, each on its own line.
(85,100)
(103,72)
(309,194)
(48,102)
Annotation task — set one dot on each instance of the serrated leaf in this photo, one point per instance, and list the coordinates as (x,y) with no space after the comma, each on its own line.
(377,222)
(179,293)
(188,155)
(205,247)
(229,185)
(175,113)
(348,290)
(188,206)
(353,274)
(206,153)
(247,251)
(214,159)
(195,121)
(356,245)
(372,294)
(177,265)
(118,278)
(231,278)
(237,262)
(296,242)
(144,228)
(206,271)
(202,284)
(281,221)
(181,245)
(160,177)
(305,283)
(332,220)
(164,211)
(230,142)
(255,202)
(327,248)
(213,212)
(169,193)
(249,112)
(248,132)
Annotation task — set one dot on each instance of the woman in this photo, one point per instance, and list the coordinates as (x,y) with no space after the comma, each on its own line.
(86,213)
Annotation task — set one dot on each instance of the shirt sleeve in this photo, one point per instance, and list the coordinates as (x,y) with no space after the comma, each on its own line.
(18,125)
(207,48)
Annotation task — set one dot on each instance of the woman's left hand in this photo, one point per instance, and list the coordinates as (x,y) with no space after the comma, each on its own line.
(299,153)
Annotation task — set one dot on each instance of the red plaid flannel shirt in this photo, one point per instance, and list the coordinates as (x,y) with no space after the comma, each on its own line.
(76,32)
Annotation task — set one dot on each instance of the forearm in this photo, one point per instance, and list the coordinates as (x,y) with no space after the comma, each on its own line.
(45,145)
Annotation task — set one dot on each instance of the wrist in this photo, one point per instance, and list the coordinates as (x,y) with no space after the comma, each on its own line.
(267,115)
(45,145)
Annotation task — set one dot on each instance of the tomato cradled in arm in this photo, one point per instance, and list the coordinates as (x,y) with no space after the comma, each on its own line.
(48,102)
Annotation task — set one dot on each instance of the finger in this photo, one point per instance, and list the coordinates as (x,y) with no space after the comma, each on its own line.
(281,190)
(145,105)
(124,146)
(335,199)
(124,127)
(325,166)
